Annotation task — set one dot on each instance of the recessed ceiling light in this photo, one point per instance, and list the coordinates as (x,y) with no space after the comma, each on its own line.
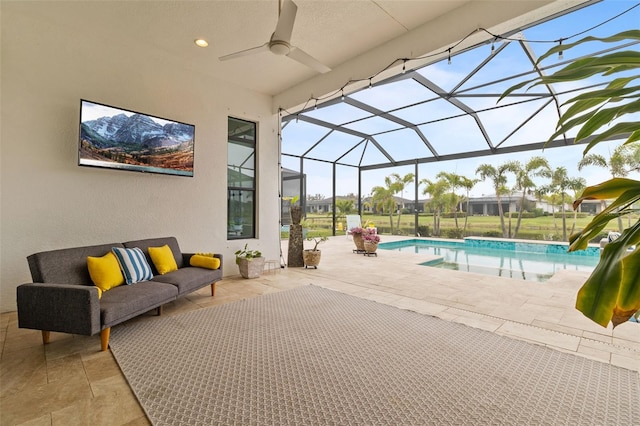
(201,42)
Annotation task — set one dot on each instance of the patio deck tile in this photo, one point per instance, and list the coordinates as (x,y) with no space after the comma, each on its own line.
(540,314)
(540,335)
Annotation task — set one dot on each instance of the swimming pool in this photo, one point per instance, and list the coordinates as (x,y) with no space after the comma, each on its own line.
(531,261)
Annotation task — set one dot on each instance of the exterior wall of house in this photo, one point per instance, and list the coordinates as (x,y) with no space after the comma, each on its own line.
(481,206)
(488,206)
(49,202)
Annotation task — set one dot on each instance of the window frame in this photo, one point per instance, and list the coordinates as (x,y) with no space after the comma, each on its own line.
(235,230)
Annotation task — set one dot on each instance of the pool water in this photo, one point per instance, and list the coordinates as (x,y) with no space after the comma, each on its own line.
(526,261)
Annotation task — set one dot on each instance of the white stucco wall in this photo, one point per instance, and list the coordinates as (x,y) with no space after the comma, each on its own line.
(49,202)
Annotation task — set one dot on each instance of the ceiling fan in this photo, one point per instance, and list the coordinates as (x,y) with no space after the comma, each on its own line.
(280,42)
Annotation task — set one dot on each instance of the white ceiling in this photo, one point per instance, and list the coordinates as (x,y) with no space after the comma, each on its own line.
(350,36)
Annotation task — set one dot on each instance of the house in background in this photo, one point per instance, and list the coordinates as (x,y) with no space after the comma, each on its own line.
(488,205)
(479,206)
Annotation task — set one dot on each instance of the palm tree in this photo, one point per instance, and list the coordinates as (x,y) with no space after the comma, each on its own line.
(534,167)
(634,156)
(400,183)
(367,205)
(618,163)
(561,183)
(454,181)
(621,162)
(383,199)
(437,191)
(468,185)
(554,200)
(498,176)
(345,207)
(576,194)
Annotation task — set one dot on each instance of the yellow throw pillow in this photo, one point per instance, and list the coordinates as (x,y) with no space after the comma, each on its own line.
(105,272)
(163,259)
(202,261)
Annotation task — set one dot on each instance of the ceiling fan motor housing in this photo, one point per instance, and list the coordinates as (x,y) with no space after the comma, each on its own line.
(279,47)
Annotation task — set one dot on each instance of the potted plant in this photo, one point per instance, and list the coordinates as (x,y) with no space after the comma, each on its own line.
(250,262)
(370,241)
(311,257)
(295,210)
(357,232)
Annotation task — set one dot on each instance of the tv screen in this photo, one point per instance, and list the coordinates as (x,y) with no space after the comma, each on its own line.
(117,138)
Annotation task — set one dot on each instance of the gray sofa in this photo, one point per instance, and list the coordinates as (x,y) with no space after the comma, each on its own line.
(62,297)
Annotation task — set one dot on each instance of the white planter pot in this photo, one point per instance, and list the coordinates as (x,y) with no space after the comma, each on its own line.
(251,268)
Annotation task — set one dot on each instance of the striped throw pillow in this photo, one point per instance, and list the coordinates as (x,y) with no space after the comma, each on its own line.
(134,265)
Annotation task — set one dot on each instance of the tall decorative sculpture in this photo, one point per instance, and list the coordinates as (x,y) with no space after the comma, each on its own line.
(296,243)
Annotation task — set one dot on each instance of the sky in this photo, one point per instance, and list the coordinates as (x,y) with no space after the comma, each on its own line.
(93,111)
(449,136)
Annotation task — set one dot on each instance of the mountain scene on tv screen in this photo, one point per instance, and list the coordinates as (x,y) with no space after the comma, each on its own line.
(138,140)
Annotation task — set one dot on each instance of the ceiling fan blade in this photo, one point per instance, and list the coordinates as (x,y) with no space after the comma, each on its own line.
(308,60)
(287,18)
(245,52)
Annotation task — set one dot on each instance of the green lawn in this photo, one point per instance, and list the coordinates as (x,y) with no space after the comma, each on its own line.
(539,228)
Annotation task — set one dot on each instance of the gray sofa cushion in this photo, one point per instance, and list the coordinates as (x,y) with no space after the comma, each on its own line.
(68,266)
(158,242)
(128,301)
(188,279)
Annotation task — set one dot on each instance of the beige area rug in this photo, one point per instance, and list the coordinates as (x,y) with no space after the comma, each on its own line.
(312,356)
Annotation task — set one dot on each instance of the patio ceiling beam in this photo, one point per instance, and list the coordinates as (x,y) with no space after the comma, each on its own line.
(347,131)
(406,124)
(449,97)
(351,149)
(410,74)
(393,79)
(463,114)
(332,126)
(382,150)
(317,143)
(534,61)
(556,65)
(362,156)
(481,65)
(489,152)
(522,124)
(533,99)
(321,160)
(497,95)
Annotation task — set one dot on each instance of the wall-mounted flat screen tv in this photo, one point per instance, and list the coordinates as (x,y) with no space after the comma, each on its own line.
(117,138)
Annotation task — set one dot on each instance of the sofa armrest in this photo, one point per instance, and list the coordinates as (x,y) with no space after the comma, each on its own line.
(65,308)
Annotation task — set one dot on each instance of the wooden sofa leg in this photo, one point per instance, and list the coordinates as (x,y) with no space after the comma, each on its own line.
(104,339)
(159,310)
(46,337)
(213,289)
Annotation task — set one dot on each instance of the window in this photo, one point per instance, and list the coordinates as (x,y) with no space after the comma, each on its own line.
(241,179)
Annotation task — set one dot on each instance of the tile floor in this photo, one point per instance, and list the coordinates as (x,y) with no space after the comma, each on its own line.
(70,382)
